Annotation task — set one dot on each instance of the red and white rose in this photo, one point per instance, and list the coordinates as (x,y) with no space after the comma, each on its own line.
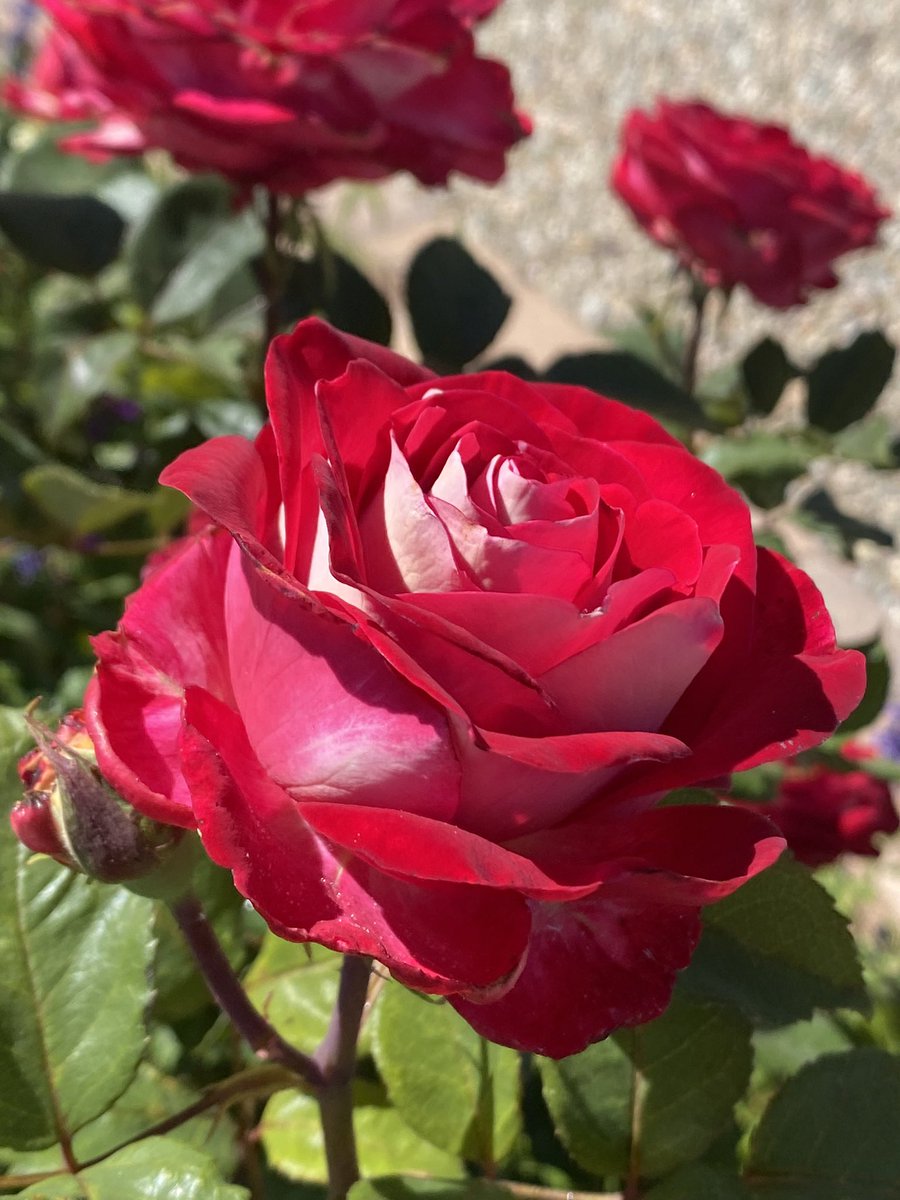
(422,682)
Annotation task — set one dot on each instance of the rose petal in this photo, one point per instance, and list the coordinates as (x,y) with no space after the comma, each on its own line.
(430,935)
(326,716)
(171,636)
(633,679)
(414,847)
(680,854)
(593,966)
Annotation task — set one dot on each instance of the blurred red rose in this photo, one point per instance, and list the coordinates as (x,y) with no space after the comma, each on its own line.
(740,202)
(423,683)
(824,813)
(271,92)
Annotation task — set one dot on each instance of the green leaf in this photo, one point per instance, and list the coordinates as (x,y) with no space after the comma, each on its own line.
(77,234)
(878,686)
(295,985)
(456,1089)
(396,1187)
(149,1099)
(42,167)
(831,1132)
(761,464)
(819,511)
(722,396)
(699,1182)
(759,783)
(654,1097)
(766,371)
(198,277)
(79,505)
(777,949)
(625,377)
(456,306)
(653,341)
(844,384)
(292,1138)
(782,1052)
(179,221)
(92,366)
(156,1169)
(74,986)
(333,286)
(873,440)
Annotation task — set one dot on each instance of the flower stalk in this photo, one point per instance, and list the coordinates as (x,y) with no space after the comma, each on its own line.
(328,1073)
(699,300)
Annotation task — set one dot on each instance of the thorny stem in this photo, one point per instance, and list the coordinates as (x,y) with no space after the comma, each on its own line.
(229,994)
(272,284)
(699,297)
(328,1073)
(534,1191)
(252,1084)
(336,1059)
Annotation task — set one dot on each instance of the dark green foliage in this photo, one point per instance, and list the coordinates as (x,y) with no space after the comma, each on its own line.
(456,306)
(844,384)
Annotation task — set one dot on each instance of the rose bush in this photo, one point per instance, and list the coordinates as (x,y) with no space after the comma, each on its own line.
(423,680)
(741,202)
(286,95)
(824,813)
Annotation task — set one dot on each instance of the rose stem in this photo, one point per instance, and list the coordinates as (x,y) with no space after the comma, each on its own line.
(229,994)
(699,297)
(336,1060)
(272,269)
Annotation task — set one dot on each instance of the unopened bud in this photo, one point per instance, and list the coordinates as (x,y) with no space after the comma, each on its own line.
(71,813)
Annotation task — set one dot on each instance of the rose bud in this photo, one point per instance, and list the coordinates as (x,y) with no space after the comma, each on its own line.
(71,814)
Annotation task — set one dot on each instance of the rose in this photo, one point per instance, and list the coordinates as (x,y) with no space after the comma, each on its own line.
(286,95)
(740,202)
(423,683)
(824,813)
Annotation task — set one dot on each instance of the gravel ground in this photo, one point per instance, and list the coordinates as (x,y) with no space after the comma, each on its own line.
(829,69)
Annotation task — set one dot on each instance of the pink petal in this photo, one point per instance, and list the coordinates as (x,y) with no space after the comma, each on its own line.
(633,679)
(593,966)
(539,632)
(407,548)
(172,636)
(417,847)
(326,716)
(602,419)
(226,477)
(508,564)
(430,935)
(513,785)
(660,535)
(680,854)
(295,365)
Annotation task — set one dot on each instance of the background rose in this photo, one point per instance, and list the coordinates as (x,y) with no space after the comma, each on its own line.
(825,813)
(741,202)
(290,96)
(422,687)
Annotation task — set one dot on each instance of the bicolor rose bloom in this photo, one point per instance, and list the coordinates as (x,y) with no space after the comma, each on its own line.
(823,813)
(424,679)
(740,202)
(292,96)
